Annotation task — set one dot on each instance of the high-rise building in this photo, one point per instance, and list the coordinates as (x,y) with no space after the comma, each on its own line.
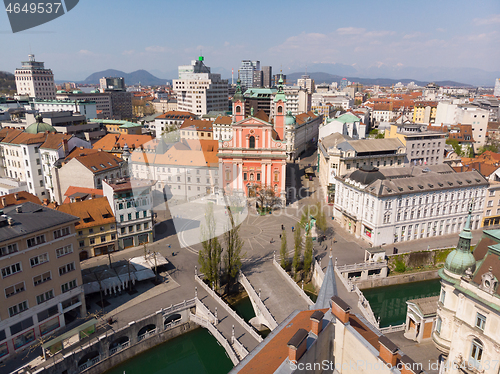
(199,91)
(34,80)
(257,78)
(267,76)
(306,82)
(496,92)
(112,83)
(246,73)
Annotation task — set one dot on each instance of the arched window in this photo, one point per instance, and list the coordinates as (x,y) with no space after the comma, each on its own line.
(251,142)
(476,353)
(238,109)
(280,109)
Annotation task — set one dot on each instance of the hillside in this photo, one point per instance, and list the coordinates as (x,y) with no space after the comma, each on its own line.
(329,78)
(7,82)
(136,77)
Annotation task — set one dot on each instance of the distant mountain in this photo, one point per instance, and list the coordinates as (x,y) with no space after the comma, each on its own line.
(136,77)
(7,81)
(329,78)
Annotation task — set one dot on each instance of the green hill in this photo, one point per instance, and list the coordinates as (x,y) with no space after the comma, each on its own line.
(7,82)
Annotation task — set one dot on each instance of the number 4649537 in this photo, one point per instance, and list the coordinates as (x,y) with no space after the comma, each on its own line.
(33,8)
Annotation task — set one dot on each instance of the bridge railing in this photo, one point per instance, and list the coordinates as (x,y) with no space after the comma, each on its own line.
(254,296)
(229,310)
(178,307)
(240,349)
(205,311)
(203,322)
(363,304)
(362,266)
(301,292)
(385,330)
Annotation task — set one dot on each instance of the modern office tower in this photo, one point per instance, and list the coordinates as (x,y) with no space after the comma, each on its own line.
(267,76)
(40,275)
(33,80)
(496,92)
(257,78)
(199,91)
(306,82)
(112,83)
(246,73)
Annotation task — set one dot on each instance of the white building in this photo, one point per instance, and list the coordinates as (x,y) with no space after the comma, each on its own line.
(11,185)
(306,82)
(472,115)
(298,100)
(301,132)
(466,330)
(496,91)
(347,124)
(199,91)
(34,80)
(223,128)
(391,205)
(247,71)
(84,107)
(30,158)
(132,203)
(170,120)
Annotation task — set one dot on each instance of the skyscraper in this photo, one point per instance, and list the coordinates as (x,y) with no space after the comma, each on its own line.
(246,72)
(34,80)
(199,91)
(267,76)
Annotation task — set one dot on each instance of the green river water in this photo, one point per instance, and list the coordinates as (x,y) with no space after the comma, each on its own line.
(194,352)
(389,303)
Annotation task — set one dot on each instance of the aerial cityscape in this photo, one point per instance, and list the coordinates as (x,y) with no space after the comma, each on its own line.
(310,188)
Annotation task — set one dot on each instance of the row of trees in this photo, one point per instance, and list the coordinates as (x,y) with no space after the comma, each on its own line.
(211,256)
(312,212)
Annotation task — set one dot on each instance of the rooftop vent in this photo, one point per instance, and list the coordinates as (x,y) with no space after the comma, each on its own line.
(420,186)
(460,182)
(478,180)
(19,209)
(400,188)
(430,185)
(410,188)
(468,181)
(450,183)
(440,184)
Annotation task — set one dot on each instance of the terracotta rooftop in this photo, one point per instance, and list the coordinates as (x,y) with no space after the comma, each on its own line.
(199,124)
(272,355)
(126,184)
(115,142)
(91,212)
(46,140)
(94,160)
(364,331)
(18,198)
(304,117)
(83,193)
(176,114)
(223,120)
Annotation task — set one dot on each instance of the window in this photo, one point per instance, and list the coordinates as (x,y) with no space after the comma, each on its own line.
(442,296)
(66,268)
(92,241)
(146,225)
(8,249)
(12,290)
(120,206)
(68,286)
(138,227)
(113,236)
(129,204)
(480,321)
(81,243)
(44,297)
(39,279)
(251,142)
(129,216)
(103,238)
(40,259)
(40,239)
(476,353)
(131,229)
(11,269)
(61,232)
(121,217)
(64,251)
(145,214)
(122,230)
(16,309)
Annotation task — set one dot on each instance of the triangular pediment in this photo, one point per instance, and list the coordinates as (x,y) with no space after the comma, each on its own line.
(252,121)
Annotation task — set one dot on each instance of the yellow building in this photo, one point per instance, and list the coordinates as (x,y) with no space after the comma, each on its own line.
(425,112)
(96,230)
(119,127)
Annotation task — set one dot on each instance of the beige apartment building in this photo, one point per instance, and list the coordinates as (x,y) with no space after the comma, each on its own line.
(40,275)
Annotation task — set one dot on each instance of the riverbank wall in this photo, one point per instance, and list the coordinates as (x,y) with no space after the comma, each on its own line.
(398,279)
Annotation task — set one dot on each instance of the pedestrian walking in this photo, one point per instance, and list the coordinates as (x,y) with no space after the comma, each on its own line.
(282,227)
(292,228)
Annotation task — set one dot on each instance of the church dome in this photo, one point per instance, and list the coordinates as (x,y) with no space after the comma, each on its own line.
(289,119)
(39,126)
(366,175)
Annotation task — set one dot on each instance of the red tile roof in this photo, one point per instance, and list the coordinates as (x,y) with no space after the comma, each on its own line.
(18,198)
(93,212)
(199,124)
(94,160)
(115,142)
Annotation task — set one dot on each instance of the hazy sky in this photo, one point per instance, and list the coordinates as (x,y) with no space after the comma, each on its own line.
(160,35)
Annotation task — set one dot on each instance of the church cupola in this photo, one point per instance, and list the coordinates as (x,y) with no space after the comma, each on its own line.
(238,103)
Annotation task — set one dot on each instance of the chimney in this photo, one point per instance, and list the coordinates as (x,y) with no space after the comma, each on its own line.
(19,209)
(297,345)
(81,147)
(340,309)
(92,196)
(78,198)
(45,202)
(408,366)
(65,147)
(317,322)
(387,351)
(16,196)
(10,221)
(4,201)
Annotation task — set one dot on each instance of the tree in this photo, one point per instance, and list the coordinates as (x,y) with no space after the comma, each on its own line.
(170,134)
(283,250)
(492,145)
(232,256)
(308,254)
(320,218)
(209,256)
(470,153)
(297,238)
(266,198)
(456,146)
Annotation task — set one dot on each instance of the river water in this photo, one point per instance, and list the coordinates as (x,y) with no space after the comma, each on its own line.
(389,303)
(194,352)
